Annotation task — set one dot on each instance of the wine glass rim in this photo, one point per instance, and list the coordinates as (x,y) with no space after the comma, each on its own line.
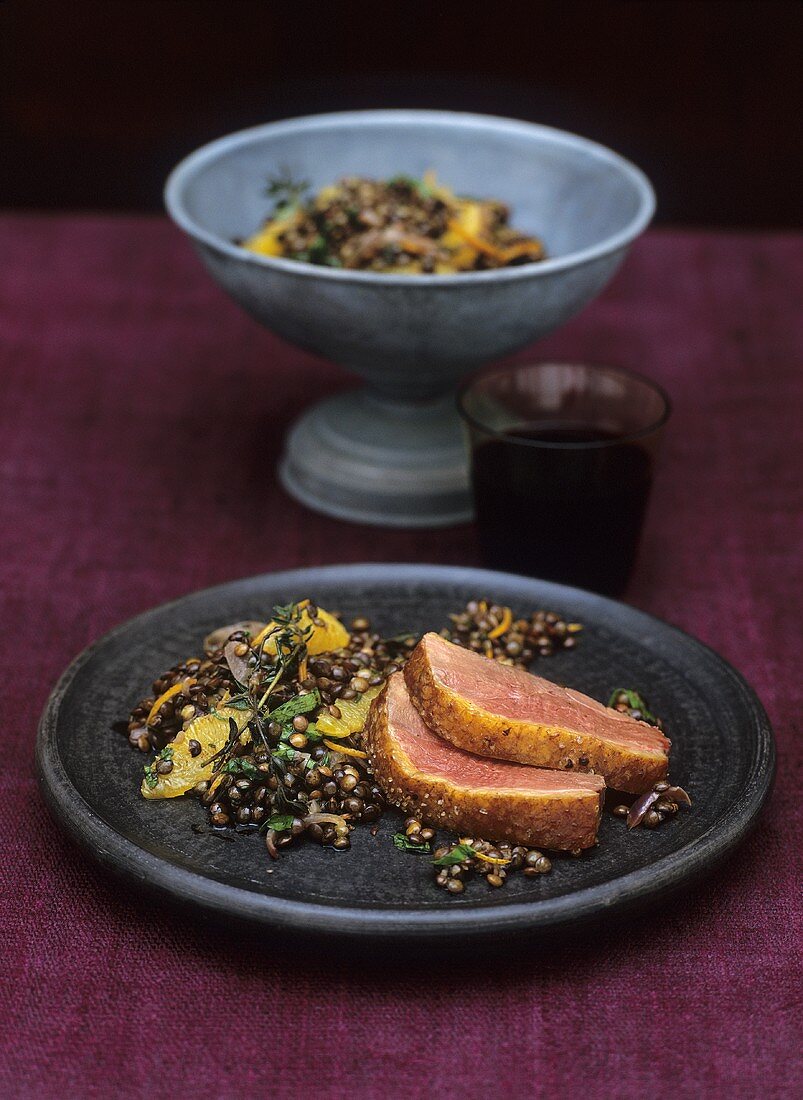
(634,376)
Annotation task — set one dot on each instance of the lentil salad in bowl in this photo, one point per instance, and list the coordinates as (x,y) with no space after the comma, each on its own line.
(403,226)
(391,452)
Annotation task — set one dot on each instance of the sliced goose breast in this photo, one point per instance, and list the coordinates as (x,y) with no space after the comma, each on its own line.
(496,710)
(469,794)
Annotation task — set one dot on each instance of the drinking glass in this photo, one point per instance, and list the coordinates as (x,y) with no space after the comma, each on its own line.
(562,463)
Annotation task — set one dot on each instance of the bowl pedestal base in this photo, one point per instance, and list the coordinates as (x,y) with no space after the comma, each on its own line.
(370,459)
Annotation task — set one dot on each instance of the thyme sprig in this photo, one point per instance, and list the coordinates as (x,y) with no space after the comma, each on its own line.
(259,680)
(259,676)
(285,191)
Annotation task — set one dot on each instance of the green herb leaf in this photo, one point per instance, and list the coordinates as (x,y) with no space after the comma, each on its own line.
(456,854)
(288,805)
(301,704)
(318,249)
(285,191)
(404,844)
(280,822)
(240,703)
(151,775)
(283,612)
(634,702)
(402,180)
(239,766)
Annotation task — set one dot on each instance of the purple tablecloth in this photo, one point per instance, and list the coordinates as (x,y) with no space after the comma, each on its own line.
(141,418)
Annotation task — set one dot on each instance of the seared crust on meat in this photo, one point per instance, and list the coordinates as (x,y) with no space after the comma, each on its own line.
(587,737)
(545,810)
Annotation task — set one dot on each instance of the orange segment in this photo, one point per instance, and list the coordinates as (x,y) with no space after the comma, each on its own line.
(353,713)
(328,633)
(266,242)
(211,731)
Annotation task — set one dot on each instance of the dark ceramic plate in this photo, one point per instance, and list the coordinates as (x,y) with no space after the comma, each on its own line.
(723,754)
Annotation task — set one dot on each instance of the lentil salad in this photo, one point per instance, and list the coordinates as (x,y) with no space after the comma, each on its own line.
(402,225)
(265,730)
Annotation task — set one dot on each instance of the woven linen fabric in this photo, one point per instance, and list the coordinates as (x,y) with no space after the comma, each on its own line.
(141,418)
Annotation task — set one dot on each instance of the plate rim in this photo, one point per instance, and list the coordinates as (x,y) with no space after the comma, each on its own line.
(74,815)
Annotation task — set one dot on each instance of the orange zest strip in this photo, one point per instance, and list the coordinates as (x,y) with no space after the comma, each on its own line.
(345,750)
(182,685)
(504,626)
(522,248)
(502,255)
(490,859)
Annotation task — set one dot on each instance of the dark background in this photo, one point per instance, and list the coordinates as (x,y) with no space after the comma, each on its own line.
(100,99)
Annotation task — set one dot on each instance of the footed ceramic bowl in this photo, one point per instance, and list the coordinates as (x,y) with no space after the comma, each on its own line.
(391,452)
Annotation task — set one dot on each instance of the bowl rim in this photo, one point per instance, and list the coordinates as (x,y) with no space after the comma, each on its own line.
(195,161)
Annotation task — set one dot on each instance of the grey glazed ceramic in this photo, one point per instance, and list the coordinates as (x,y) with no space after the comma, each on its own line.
(392,453)
(722,753)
